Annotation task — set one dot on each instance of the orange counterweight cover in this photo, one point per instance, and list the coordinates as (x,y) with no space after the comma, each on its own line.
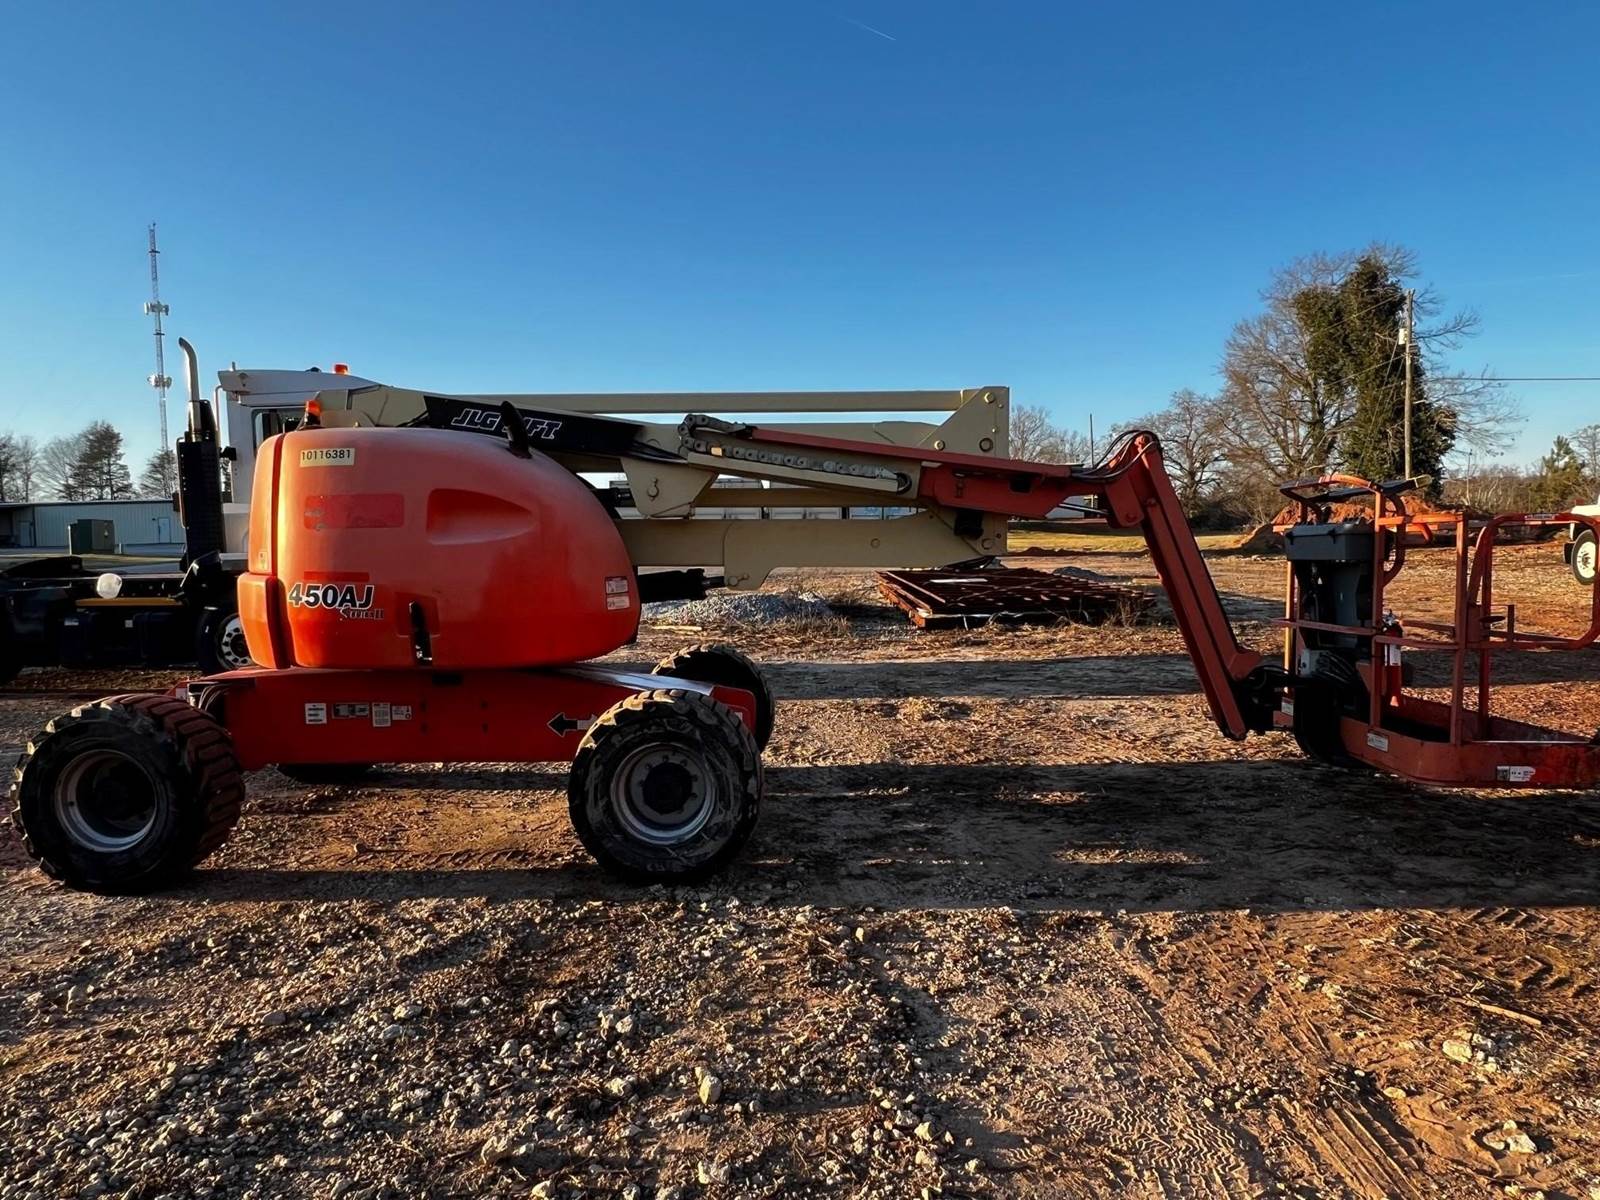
(512,560)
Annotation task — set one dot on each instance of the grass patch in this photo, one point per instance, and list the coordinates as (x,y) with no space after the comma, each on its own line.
(1102,541)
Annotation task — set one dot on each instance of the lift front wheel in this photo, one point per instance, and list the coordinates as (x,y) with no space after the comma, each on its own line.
(666,787)
(126,794)
(720,664)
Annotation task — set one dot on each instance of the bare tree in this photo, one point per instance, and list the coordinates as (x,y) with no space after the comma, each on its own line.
(1191,445)
(1036,438)
(1032,433)
(8,468)
(1586,442)
(25,464)
(1282,413)
(19,457)
(56,460)
(1494,487)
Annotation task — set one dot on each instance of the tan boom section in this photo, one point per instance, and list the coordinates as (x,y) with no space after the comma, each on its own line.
(747,518)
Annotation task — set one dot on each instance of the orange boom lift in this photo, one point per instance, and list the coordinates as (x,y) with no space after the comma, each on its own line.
(431,595)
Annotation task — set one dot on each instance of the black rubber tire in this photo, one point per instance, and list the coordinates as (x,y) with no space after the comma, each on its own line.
(691,726)
(1318,711)
(219,642)
(1584,548)
(10,654)
(325,773)
(719,663)
(195,791)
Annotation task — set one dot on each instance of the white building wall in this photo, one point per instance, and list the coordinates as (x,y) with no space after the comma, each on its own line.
(149,526)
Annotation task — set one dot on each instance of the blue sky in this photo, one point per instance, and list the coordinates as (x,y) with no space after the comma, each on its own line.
(1075,200)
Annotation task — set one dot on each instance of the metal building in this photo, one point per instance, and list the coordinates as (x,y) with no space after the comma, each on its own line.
(147,527)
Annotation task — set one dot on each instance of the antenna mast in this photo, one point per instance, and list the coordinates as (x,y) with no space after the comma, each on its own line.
(161,381)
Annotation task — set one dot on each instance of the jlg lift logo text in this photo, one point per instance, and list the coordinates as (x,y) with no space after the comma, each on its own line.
(353,601)
(487,420)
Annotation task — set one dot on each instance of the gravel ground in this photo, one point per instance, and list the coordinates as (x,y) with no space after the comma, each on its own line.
(742,609)
(1017,923)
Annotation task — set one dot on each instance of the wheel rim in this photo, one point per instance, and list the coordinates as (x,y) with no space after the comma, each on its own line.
(105,801)
(232,649)
(662,795)
(1584,557)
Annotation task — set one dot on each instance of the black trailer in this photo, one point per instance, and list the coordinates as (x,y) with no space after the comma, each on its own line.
(58,612)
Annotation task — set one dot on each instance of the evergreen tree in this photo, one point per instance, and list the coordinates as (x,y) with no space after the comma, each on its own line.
(1561,482)
(1316,381)
(1353,348)
(98,471)
(160,478)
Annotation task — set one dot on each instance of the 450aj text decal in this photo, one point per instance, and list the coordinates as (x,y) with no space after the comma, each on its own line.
(352,601)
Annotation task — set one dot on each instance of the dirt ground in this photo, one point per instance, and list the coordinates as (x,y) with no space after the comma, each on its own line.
(1017,922)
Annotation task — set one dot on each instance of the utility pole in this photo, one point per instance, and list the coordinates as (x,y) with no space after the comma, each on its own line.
(1407,336)
(161,381)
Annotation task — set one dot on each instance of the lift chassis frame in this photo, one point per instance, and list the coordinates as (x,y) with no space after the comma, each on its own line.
(303,715)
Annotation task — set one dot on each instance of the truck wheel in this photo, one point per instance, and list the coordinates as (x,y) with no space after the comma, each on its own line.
(666,787)
(10,654)
(220,644)
(719,663)
(1583,558)
(315,773)
(126,794)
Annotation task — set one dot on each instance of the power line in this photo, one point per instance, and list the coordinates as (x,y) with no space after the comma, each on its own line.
(1408,336)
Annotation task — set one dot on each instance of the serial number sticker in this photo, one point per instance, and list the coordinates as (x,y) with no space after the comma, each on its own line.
(380,715)
(402,712)
(615,602)
(1288,707)
(1377,741)
(349,712)
(616,585)
(330,456)
(316,714)
(1514,774)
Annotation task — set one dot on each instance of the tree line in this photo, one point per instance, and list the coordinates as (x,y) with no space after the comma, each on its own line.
(89,465)
(1568,475)
(1314,383)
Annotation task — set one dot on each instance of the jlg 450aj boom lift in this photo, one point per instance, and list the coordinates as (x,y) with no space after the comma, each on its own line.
(431,595)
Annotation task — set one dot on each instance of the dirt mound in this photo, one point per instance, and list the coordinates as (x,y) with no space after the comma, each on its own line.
(1416,504)
(1263,539)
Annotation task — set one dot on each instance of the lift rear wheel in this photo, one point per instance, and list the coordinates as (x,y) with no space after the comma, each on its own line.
(126,794)
(1583,558)
(719,663)
(666,787)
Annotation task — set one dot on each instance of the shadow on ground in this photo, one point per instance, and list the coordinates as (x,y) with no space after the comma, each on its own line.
(1270,834)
